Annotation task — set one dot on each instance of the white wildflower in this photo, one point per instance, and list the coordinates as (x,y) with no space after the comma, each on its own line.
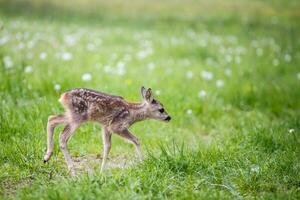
(86,77)
(57,87)
(237,60)
(21,45)
(30,44)
(151,66)
(120,70)
(189,74)
(206,75)
(255,169)
(174,41)
(43,55)
(28,69)
(254,43)
(287,57)
(70,40)
(90,47)
(8,63)
(202,93)
(120,64)
(228,58)
(142,54)
(228,72)
(220,83)
(108,69)
(66,56)
(4,40)
(203,43)
(189,111)
(291,130)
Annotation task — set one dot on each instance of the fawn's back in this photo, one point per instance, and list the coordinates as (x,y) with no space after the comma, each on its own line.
(86,104)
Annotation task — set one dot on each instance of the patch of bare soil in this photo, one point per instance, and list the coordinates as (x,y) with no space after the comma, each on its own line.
(9,188)
(92,163)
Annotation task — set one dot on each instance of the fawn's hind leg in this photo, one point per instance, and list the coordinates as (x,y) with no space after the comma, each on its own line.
(53,121)
(106,137)
(63,140)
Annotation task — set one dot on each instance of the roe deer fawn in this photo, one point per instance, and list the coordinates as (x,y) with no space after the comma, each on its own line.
(113,112)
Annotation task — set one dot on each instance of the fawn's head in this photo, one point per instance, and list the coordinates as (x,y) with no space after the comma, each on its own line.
(155,109)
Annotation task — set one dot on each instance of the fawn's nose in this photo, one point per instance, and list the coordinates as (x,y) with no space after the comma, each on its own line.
(168,118)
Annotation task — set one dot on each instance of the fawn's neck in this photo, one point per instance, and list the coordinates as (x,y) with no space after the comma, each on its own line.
(138,112)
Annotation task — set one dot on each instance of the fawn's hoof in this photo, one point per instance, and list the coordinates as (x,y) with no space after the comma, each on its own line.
(47,157)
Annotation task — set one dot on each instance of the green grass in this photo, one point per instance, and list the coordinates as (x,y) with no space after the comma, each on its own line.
(240,140)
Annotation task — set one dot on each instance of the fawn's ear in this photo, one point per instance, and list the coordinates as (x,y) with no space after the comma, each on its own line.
(147,94)
(143,92)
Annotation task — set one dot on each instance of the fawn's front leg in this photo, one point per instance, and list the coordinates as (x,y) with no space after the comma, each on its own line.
(106,138)
(133,139)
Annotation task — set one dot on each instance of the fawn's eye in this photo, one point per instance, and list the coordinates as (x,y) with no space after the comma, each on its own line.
(161,110)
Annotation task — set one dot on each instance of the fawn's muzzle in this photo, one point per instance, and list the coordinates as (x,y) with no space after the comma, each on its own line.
(168,118)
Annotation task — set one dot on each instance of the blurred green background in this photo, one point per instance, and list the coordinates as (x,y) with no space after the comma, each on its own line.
(227,72)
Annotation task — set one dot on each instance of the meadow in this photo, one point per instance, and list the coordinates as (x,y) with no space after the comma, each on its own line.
(226,71)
